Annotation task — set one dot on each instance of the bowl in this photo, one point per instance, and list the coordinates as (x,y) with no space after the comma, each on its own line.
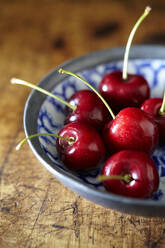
(44,114)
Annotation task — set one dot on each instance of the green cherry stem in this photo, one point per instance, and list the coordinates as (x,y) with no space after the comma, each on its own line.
(129,42)
(90,86)
(126,178)
(25,83)
(162,109)
(69,140)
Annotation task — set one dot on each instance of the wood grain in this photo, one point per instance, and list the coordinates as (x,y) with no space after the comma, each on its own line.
(36,210)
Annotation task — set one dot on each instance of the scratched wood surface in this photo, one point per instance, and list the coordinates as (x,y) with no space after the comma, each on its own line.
(36,210)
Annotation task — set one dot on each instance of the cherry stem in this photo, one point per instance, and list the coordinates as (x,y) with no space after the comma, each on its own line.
(129,42)
(90,86)
(25,83)
(69,140)
(162,109)
(126,178)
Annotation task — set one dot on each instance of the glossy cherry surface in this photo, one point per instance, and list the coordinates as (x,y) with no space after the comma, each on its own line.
(87,149)
(121,93)
(142,170)
(152,107)
(132,129)
(89,109)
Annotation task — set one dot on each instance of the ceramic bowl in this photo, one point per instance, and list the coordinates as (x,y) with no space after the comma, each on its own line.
(44,114)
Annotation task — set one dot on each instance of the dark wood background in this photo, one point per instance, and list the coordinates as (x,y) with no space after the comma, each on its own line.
(36,210)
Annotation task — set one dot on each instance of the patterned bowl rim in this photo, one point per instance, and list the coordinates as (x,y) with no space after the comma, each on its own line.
(35,101)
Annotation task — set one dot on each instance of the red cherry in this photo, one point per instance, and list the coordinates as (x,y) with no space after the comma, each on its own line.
(152,106)
(86,149)
(138,168)
(85,105)
(121,89)
(132,129)
(120,93)
(89,109)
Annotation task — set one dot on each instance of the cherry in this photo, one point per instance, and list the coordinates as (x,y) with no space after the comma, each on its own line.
(155,107)
(121,93)
(85,105)
(131,129)
(130,173)
(121,89)
(89,109)
(86,149)
(91,87)
(79,145)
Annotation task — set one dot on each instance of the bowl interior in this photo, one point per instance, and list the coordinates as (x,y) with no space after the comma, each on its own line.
(52,114)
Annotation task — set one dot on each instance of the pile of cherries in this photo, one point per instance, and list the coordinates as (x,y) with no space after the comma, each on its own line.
(129,138)
(92,132)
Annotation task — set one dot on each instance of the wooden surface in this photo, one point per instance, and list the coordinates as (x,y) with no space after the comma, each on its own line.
(36,210)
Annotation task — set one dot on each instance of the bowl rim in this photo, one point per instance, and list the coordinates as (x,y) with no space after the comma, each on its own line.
(80,63)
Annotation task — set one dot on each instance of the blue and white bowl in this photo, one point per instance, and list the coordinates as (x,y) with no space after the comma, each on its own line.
(45,115)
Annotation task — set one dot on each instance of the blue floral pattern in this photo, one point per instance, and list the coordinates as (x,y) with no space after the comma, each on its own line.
(52,113)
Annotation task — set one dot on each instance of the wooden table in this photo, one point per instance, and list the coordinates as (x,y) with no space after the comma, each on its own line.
(36,210)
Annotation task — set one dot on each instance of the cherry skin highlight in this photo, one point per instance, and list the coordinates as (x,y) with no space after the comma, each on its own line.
(87,149)
(89,109)
(132,129)
(152,107)
(120,93)
(144,178)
